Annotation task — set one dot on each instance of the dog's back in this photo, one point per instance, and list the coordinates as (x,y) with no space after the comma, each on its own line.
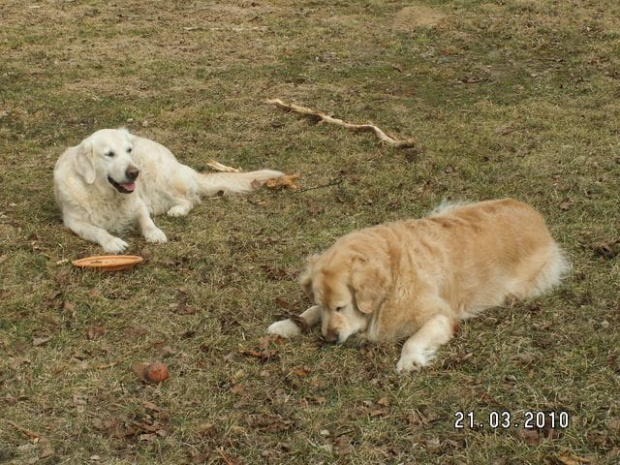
(494,250)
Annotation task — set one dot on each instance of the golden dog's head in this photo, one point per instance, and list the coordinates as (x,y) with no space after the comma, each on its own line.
(349,287)
(105,158)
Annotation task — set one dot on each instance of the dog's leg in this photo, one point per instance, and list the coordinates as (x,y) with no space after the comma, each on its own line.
(419,350)
(291,327)
(90,232)
(181,207)
(150,232)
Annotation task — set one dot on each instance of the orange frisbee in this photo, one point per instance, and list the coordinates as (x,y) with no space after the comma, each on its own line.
(108,262)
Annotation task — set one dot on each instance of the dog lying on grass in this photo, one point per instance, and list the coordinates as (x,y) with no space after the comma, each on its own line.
(114,180)
(417,279)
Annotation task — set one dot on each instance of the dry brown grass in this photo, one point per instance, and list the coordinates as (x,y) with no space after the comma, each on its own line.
(508,98)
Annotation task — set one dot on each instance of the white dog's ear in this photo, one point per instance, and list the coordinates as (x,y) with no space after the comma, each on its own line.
(369,281)
(85,161)
(305,279)
(127,134)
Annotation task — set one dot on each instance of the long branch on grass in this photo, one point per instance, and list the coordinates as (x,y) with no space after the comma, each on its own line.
(383,137)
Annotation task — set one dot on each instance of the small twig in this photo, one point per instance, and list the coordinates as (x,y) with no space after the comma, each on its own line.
(383,137)
(108,365)
(226,29)
(31,434)
(226,459)
(331,184)
(217,166)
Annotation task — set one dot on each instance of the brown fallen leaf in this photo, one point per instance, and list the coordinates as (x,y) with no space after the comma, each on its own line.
(262,355)
(94,332)
(39,341)
(568,459)
(530,436)
(606,249)
(283,182)
(237,389)
(566,204)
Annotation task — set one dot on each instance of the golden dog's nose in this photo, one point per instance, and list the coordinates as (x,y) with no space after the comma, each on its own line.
(331,336)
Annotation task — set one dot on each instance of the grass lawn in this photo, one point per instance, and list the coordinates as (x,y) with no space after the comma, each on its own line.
(516,98)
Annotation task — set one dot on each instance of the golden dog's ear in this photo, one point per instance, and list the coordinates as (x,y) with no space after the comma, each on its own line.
(85,161)
(305,279)
(369,281)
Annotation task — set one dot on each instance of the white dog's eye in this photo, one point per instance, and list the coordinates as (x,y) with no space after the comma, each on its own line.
(109,153)
(129,149)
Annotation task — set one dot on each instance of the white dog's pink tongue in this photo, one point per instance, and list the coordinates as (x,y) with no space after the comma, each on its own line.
(130,186)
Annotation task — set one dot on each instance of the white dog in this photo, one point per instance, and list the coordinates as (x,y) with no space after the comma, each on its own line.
(416,279)
(114,180)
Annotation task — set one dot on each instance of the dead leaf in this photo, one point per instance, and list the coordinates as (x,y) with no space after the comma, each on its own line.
(237,389)
(94,332)
(568,459)
(286,181)
(606,249)
(15,363)
(529,436)
(181,307)
(140,369)
(68,306)
(343,444)
(263,355)
(566,204)
(270,423)
(433,445)
(39,341)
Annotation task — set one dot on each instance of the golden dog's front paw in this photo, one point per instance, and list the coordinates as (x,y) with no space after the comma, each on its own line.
(285,328)
(406,366)
(414,360)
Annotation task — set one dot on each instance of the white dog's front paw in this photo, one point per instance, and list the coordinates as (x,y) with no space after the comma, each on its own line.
(414,360)
(178,210)
(114,245)
(284,328)
(155,236)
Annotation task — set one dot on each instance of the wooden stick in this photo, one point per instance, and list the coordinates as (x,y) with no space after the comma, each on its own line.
(31,434)
(217,166)
(383,137)
(226,459)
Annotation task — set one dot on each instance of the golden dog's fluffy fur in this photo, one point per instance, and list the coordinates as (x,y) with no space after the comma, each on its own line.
(416,279)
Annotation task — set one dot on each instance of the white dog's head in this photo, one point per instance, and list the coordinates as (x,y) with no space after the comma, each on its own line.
(349,287)
(105,158)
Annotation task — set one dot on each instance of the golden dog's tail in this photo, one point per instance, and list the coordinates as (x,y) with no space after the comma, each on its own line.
(233,183)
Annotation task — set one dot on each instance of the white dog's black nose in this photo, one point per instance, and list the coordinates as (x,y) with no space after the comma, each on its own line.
(132,173)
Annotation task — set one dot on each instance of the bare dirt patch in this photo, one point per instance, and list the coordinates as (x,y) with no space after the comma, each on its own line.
(416,16)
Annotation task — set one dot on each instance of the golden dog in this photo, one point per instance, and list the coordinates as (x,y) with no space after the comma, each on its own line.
(417,279)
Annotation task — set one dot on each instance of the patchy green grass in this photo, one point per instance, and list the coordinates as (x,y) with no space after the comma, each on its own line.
(506,98)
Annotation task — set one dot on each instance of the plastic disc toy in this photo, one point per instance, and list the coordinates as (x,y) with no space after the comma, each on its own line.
(108,262)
